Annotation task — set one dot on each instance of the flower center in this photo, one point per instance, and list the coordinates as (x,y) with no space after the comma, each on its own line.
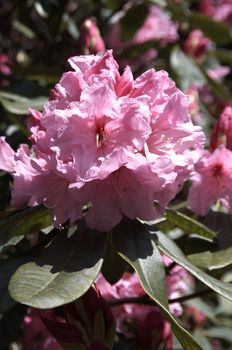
(100,136)
(217,170)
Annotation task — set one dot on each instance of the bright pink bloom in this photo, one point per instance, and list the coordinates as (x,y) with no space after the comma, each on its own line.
(196,44)
(222,132)
(90,41)
(220,10)
(103,137)
(212,181)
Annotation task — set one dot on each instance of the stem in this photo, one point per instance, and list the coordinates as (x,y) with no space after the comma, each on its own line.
(145,300)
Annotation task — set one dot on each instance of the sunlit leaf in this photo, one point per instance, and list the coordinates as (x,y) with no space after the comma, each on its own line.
(212,260)
(189,225)
(17,104)
(63,271)
(168,247)
(185,69)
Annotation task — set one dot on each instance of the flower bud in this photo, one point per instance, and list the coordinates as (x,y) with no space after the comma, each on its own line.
(196,44)
(90,41)
(88,324)
(222,132)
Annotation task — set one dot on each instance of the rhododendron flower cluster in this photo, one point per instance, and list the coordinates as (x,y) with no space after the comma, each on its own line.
(212,181)
(213,177)
(107,141)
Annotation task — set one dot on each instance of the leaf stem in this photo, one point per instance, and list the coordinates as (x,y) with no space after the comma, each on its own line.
(145,300)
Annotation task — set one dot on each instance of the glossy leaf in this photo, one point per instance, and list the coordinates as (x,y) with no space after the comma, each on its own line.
(17,104)
(7,269)
(168,247)
(136,245)
(189,225)
(185,69)
(212,260)
(23,222)
(63,271)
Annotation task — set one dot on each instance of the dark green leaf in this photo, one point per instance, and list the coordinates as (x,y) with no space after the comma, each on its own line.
(223,55)
(132,21)
(212,260)
(137,247)
(168,247)
(189,225)
(10,326)
(63,272)
(219,32)
(23,222)
(113,266)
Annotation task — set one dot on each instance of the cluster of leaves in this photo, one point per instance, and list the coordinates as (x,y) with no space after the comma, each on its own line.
(45,268)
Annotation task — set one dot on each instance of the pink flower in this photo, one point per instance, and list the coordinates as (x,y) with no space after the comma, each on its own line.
(104,136)
(220,10)
(6,156)
(196,44)
(34,334)
(157,26)
(222,132)
(219,72)
(4,64)
(143,322)
(90,41)
(212,181)
(179,283)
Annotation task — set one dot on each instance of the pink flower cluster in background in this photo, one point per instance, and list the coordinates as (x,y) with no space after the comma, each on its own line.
(107,141)
(220,10)
(143,322)
(5,69)
(212,180)
(157,26)
(35,335)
